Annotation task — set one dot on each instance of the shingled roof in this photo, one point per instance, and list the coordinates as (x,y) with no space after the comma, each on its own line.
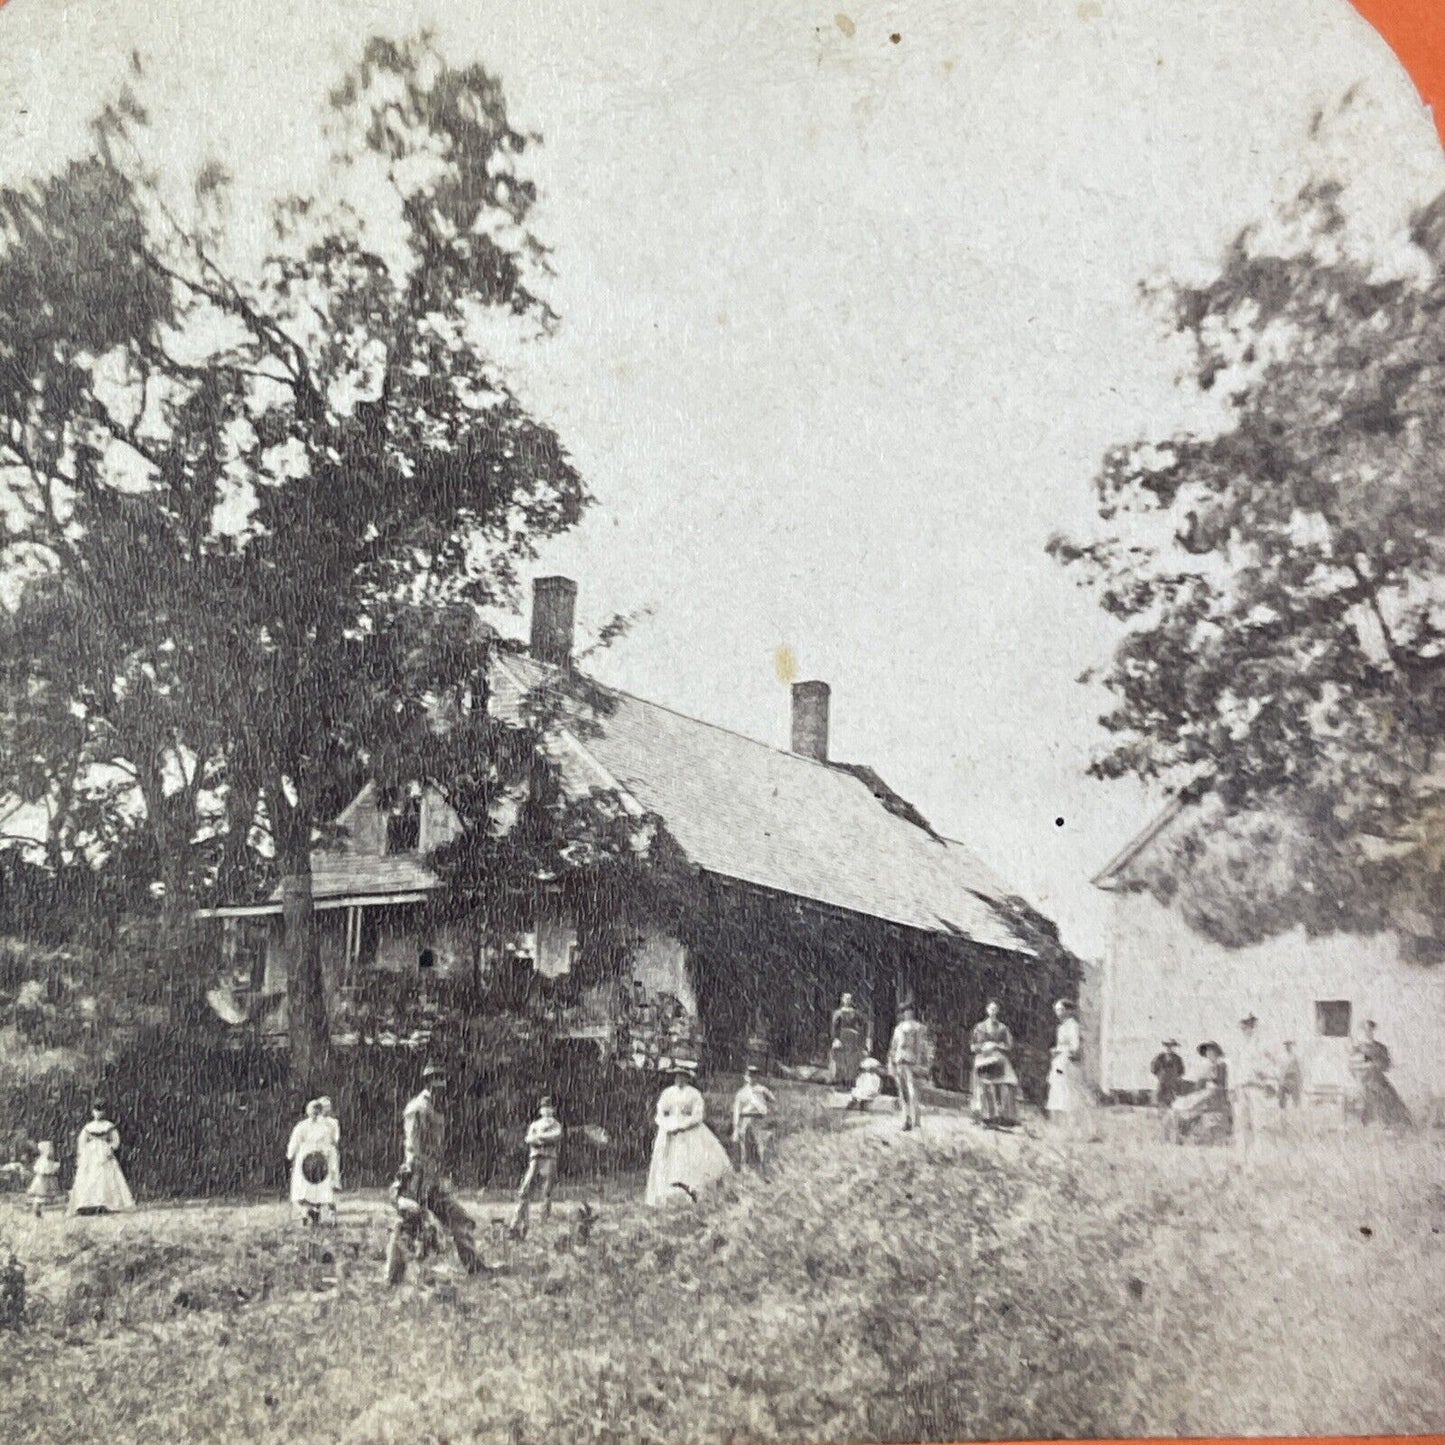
(740,809)
(747,811)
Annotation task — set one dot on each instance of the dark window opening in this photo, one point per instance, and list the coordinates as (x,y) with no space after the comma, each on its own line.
(1332,1018)
(403,828)
(426,959)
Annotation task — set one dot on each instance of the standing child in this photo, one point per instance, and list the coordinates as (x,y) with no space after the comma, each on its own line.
(544,1144)
(753,1121)
(45,1178)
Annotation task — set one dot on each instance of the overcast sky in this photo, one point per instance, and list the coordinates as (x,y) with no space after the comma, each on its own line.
(848,319)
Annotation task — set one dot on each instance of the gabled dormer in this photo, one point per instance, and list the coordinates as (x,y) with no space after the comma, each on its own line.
(417,823)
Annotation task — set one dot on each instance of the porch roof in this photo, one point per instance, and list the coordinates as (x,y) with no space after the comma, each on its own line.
(346,880)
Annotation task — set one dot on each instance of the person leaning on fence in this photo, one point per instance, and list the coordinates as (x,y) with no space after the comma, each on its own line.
(424,1187)
(544,1146)
(908,1063)
(753,1107)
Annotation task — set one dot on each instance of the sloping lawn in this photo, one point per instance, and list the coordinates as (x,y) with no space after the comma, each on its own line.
(882,1286)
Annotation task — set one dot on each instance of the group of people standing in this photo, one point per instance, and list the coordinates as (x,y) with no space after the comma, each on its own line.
(993,1077)
(1212,1106)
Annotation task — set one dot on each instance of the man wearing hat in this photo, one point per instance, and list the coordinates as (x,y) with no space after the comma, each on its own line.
(423,1184)
(1168,1071)
(753,1106)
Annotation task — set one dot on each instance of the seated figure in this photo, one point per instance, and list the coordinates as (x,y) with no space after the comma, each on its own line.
(1204,1114)
(866,1087)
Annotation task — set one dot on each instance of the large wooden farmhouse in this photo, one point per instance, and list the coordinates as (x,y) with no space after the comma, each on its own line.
(902,912)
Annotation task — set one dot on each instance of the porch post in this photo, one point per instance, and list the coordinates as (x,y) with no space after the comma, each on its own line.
(353,942)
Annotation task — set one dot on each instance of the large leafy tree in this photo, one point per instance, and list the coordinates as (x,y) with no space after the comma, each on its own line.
(264,483)
(1279,573)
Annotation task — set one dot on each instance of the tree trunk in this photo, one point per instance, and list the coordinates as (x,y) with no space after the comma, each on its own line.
(307,1025)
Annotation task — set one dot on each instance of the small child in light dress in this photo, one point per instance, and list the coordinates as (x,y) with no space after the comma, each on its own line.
(45,1178)
(866,1087)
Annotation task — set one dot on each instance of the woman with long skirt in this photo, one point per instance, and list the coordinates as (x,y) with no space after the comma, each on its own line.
(1204,1115)
(995,1086)
(1068,1095)
(686,1156)
(850,1045)
(1370,1063)
(100,1186)
(309,1153)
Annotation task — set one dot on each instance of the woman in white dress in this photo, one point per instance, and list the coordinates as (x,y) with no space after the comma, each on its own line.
(333,1126)
(99,1187)
(309,1152)
(1068,1091)
(686,1156)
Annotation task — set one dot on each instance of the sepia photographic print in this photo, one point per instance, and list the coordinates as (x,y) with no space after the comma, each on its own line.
(719,723)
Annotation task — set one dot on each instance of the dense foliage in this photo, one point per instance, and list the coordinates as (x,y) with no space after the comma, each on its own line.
(1279,572)
(258,494)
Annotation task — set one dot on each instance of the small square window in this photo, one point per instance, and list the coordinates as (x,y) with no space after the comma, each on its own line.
(1332,1018)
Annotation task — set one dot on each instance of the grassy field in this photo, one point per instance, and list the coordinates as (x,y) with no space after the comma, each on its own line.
(882,1286)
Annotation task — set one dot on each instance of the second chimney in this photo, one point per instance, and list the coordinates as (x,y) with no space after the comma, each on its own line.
(554,606)
(810,720)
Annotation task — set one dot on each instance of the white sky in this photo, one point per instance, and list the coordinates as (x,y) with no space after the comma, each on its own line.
(847,323)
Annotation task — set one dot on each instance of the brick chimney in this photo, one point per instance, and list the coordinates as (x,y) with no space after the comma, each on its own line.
(554,604)
(810,720)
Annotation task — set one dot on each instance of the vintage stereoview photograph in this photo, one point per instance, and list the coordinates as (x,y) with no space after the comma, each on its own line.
(719,723)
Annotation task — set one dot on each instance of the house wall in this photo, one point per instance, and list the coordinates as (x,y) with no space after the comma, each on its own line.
(660,966)
(1162,979)
(399,942)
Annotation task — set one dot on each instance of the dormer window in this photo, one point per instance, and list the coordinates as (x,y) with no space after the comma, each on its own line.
(403,827)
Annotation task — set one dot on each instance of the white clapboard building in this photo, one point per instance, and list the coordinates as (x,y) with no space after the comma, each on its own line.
(1161,978)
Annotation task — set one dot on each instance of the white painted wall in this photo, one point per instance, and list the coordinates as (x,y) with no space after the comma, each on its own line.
(1162,979)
